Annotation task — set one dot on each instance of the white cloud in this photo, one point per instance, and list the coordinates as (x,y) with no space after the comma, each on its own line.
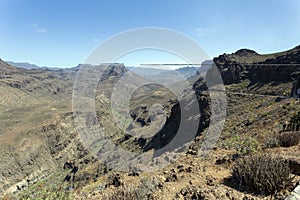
(96,40)
(38,28)
(201,31)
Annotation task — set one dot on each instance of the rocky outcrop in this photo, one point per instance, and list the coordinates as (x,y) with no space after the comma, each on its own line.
(172,126)
(246,64)
(28,181)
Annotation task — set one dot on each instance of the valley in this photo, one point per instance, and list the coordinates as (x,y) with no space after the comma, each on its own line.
(44,156)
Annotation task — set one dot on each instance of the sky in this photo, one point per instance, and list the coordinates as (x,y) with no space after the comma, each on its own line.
(62,33)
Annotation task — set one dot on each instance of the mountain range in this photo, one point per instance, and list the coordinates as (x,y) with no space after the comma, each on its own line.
(43,154)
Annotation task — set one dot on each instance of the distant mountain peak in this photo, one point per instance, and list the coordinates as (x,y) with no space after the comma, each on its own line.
(245,52)
(24,65)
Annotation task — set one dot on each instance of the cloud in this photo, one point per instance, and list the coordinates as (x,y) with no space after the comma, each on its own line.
(38,28)
(201,31)
(96,40)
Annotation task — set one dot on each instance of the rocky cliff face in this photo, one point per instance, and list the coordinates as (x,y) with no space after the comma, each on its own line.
(176,119)
(246,64)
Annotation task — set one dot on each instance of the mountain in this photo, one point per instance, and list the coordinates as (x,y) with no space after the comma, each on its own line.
(188,71)
(36,130)
(281,70)
(147,72)
(5,67)
(43,153)
(26,65)
(23,65)
(164,76)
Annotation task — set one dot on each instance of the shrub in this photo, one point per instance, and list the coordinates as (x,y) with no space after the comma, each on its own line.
(115,180)
(271,142)
(242,144)
(122,193)
(143,191)
(262,173)
(293,124)
(288,139)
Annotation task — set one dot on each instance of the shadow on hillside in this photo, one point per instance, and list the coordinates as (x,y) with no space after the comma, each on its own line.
(234,184)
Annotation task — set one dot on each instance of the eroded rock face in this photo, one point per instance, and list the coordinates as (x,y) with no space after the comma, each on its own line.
(247,64)
(170,129)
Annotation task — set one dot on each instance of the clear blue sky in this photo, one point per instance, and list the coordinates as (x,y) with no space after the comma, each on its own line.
(62,33)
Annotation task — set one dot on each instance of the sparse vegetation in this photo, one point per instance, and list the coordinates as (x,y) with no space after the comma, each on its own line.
(128,193)
(44,154)
(57,193)
(242,144)
(271,142)
(294,123)
(288,139)
(142,191)
(262,173)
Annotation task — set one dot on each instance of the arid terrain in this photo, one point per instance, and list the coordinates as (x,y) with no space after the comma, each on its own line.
(44,157)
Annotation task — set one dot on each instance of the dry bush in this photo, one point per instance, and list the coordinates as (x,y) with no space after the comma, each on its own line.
(142,191)
(262,173)
(128,193)
(288,139)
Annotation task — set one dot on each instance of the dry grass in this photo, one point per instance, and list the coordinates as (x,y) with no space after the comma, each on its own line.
(144,190)
(128,193)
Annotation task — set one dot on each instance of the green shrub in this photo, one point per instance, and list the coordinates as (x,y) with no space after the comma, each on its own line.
(288,139)
(262,173)
(271,142)
(242,144)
